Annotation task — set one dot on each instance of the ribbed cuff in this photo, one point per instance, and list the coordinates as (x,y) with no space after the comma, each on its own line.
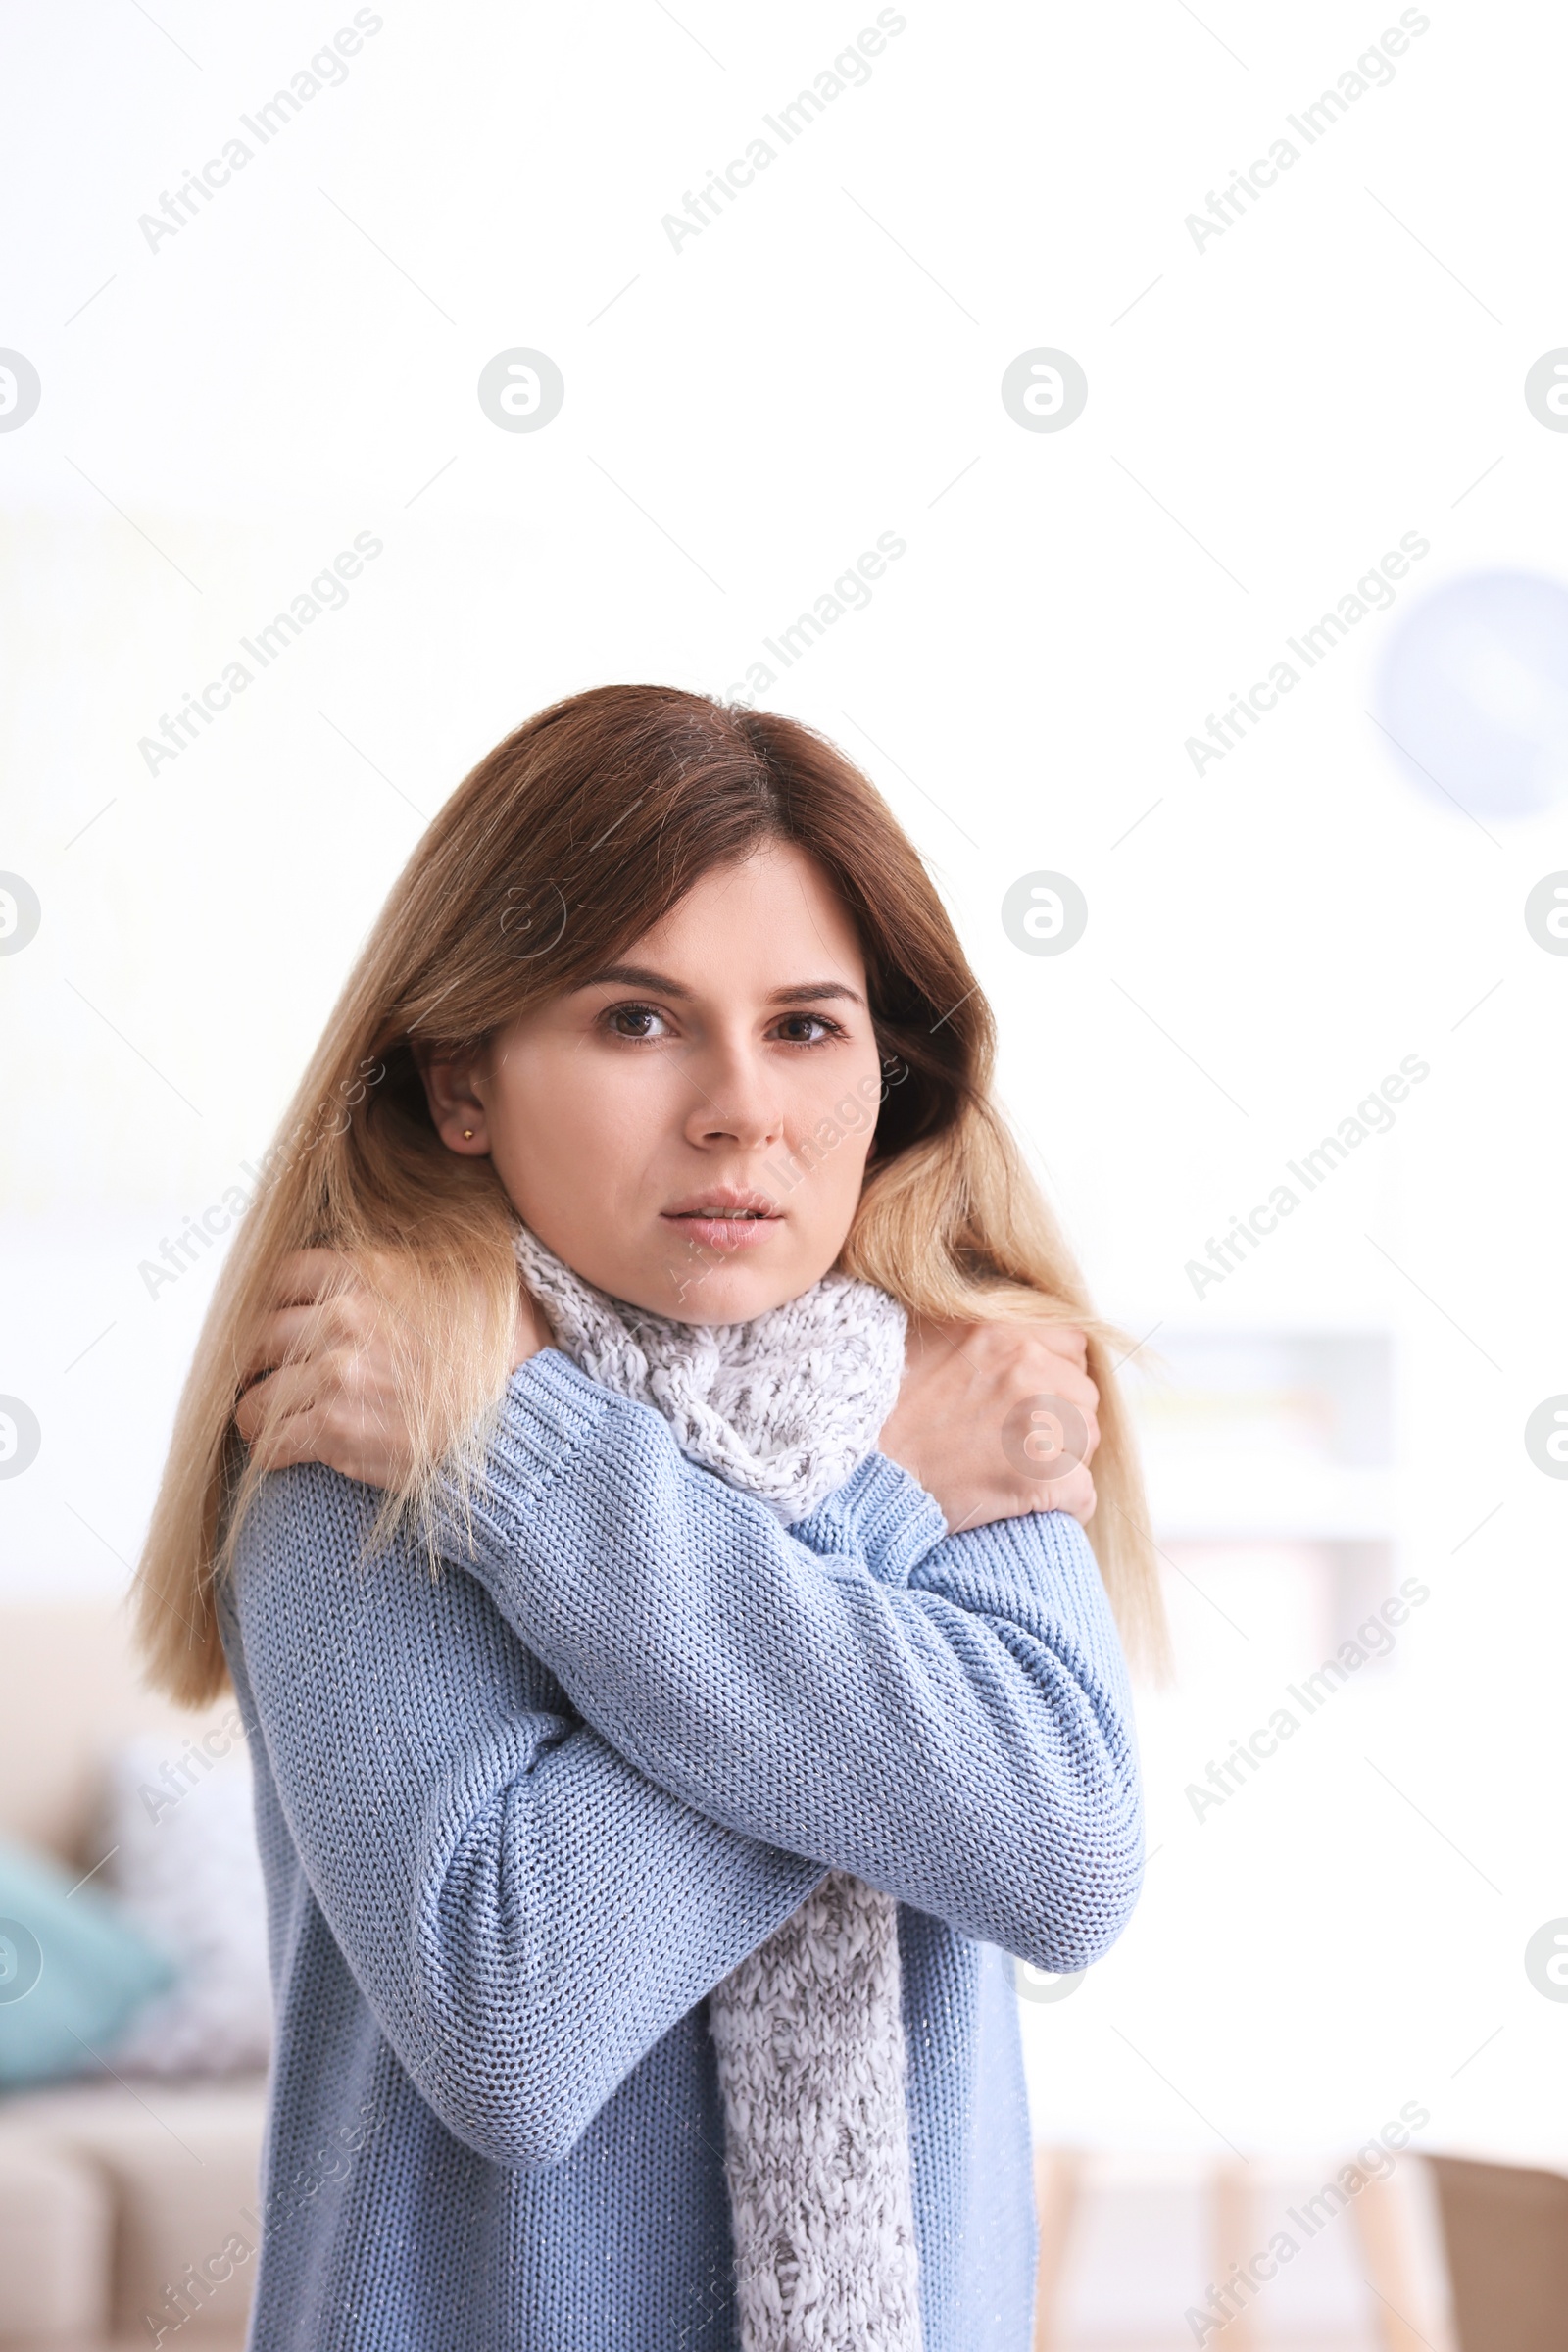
(550,1411)
(883,1514)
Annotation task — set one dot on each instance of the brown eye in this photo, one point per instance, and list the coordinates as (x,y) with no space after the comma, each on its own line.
(804,1028)
(633,1021)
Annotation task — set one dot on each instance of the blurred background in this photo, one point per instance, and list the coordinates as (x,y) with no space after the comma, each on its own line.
(370,377)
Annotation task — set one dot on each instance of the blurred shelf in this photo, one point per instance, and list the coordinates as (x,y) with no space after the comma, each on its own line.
(1225,1497)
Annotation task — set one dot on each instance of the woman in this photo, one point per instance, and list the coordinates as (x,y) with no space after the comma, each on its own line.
(649,1782)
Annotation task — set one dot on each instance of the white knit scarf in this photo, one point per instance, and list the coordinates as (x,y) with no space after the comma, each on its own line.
(808,2030)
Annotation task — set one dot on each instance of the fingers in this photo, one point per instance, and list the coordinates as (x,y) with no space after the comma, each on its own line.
(1075,1495)
(995,1346)
(1086,1398)
(1073,1492)
(285,1390)
(338,1316)
(1062,1379)
(1065,1339)
(294,1438)
(310,1285)
(1020,1346)
(1058,1378)
(307,1276)
(311,1436)
(289,1332)
(302,1426)
(530,1330)
(319,1383)
(320,1386)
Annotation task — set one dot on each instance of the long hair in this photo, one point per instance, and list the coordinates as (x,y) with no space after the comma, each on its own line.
(566,843)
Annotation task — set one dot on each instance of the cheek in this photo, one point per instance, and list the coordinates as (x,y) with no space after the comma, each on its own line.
(850,1159)
(830,1126)
(561,1133)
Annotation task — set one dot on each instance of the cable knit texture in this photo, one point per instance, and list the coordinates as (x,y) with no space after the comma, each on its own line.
(808,2028)
(519,1820)
(784,1407)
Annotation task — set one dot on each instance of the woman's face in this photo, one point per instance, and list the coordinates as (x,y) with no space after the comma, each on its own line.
(689,1129)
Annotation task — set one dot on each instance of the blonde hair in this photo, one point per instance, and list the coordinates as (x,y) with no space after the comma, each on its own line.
(568,841)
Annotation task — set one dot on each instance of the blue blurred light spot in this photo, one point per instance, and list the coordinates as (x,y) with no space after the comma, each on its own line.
(1474,692)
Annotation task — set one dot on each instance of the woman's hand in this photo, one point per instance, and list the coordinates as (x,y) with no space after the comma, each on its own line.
(996,1419)
(322,1376)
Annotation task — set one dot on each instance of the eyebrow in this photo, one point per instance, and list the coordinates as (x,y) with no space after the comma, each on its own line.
(636,975)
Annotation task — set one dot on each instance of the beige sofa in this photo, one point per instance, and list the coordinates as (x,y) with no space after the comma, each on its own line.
(123,2203)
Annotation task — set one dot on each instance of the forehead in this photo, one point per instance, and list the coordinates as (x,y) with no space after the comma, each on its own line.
(771,918)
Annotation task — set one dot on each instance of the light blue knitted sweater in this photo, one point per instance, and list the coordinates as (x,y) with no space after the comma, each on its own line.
(517,1819)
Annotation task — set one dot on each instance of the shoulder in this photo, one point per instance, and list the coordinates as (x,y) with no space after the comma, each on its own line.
(302,1510)
(324,1606)
(303,1547)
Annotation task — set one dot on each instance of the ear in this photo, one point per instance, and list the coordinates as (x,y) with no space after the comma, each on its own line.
(452,1084)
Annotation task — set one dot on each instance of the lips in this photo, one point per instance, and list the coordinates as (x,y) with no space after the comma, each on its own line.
(724,1217)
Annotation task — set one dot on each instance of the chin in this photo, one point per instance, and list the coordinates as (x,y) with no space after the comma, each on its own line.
(723,1293)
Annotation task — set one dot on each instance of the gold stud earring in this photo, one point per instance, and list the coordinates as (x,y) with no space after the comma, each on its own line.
(467,1135)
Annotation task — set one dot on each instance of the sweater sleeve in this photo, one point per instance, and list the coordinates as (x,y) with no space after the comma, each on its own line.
(525,1913)
(947,1717)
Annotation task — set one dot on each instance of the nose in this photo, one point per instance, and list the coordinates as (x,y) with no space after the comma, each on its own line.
(735,1099)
